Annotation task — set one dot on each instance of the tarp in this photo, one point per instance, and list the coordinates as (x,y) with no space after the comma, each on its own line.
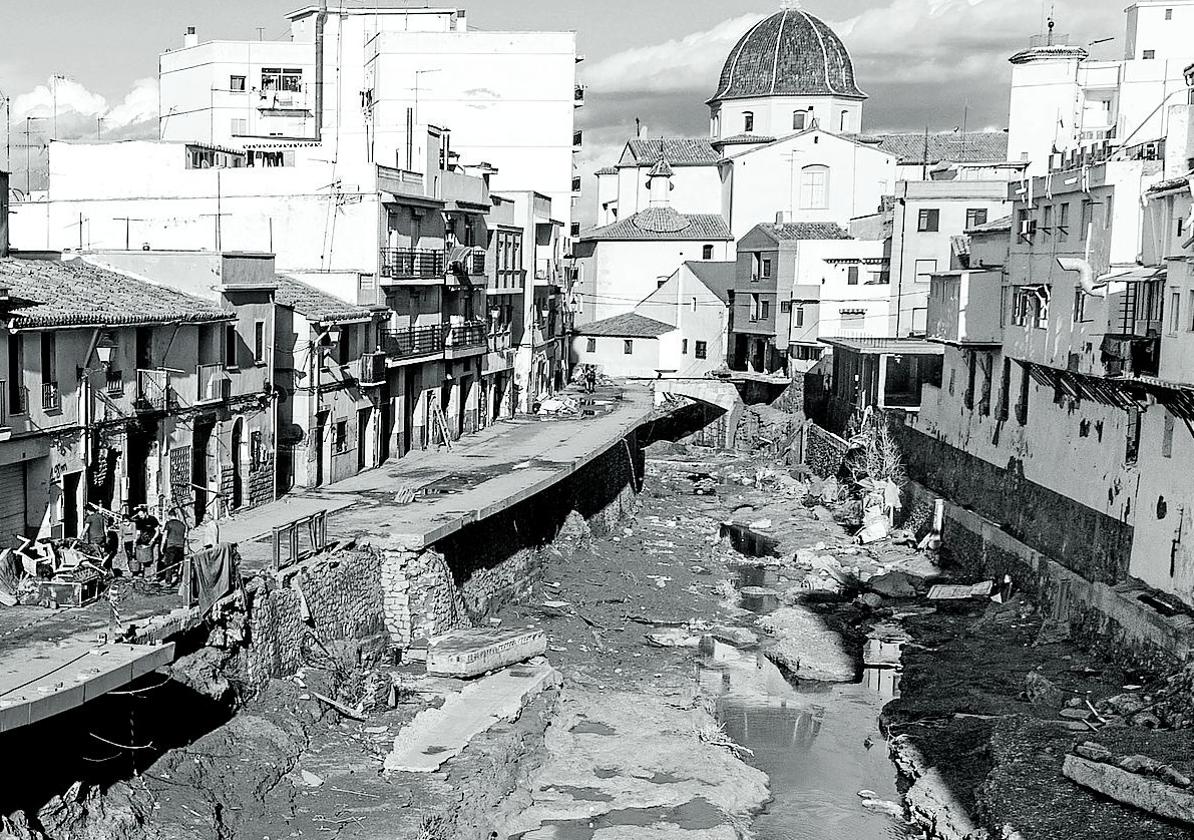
(215,573)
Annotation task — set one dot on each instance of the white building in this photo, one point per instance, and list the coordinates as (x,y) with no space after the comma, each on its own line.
(353,83)
(1062,100)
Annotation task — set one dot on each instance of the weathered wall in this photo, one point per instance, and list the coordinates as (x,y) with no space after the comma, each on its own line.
(1083,540)
(823,451)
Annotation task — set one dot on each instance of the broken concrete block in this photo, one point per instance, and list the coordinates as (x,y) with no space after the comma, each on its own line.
(1151,795)
(1041,690)
(470,653)
(736,636)
(1093,751)
(893,585)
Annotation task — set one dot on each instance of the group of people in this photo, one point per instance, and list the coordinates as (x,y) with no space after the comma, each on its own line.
(138,543)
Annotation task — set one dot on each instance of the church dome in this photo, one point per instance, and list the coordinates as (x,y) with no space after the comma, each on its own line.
(791,53)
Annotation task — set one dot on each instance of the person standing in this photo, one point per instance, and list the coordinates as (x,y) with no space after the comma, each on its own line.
(174,541)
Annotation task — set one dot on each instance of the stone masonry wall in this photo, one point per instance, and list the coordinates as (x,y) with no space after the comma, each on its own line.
(823,451)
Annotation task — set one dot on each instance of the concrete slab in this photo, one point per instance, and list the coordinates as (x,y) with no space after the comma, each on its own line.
(470,653)
(48,679)
(436,735)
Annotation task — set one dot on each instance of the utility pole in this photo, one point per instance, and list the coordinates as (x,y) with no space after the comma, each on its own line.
(28,150)
(99,128)
(127,224)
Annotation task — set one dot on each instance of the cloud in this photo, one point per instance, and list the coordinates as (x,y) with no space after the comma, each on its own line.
(78,108)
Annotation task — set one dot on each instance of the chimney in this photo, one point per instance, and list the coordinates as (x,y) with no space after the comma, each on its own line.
(3,213)
(462,20)
(190,39)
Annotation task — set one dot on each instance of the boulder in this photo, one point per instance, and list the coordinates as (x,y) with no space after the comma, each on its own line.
(470,653)
(893,585)
(1041,690)
(737,636)
(806,648)
(1153,796)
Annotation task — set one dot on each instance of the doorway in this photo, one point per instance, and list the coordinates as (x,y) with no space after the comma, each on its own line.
(321,428)
(140,443)
(363,418)
(201,469)
(238,442)
(71,483)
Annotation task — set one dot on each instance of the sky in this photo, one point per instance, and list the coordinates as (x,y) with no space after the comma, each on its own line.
(932,63)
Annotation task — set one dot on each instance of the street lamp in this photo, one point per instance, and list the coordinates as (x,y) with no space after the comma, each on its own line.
(104,349)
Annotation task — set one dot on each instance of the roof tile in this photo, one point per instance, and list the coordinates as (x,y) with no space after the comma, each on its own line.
(315,304)
(663,223)
(680,151)
(626,325)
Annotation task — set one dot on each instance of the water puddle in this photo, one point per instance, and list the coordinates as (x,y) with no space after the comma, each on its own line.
(698,814)
(748,542)
(582,794)
(819,744)
(592,727)
(759,600)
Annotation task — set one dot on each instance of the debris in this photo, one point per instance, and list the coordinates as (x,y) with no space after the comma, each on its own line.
(339,707)
(310,779)
(760,524)
(1041,690)
(1156,796)
(893,585)
(715,735)
(736,636)
(960,592)
(470,653)
(672,637)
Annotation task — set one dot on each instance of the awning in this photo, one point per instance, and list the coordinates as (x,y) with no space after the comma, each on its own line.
(457,206)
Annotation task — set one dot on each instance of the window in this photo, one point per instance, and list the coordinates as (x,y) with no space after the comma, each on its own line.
(852,276)
(798,118)
(259,342)
(590,345)
(924,270)
(1169,14)
(1079,305)
(928,221)
(236,83)
(1167,436)
(256,449)
(279,78)
(1063,222)
(240,126)
(748,122)
(707,252)
(1181,226)
(340,436)
(49,361)
(845,120)
(1040,309)
(971,365)
(230,345)
(702,349)
(814,187)
(799,319)
(684,347)
(1175,315)
(628,347)
(754,307)
(766,268)
(1047,222)
(1149,55)
(766,311)
(1110,210)
(785,306)
(975,216)
(1132,450)
(1190,315)
(1087,218)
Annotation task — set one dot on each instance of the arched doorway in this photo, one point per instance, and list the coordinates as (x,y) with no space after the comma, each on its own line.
(238,443)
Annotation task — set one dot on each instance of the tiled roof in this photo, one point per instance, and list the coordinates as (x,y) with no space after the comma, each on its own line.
(315,304)
(663,223)
(1003,223)
(806,230)
(660,169)
(876,346)
(626,325)
(743,140)
(790,53)
(970,147)
(1171,183)
(76,293)
(606,170)
(717,277)
(680,151)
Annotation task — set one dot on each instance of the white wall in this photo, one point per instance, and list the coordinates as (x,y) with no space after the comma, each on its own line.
(611,358)
(773,115)
(829,284)
(767,181)
(698,315)
(695,189)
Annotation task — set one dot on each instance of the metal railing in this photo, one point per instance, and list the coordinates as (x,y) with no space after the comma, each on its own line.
(373,368)
(209,380)
(412,341)
(408,263)
(471,334)
(51,397)
(16,401)
(114,383)
(153,390)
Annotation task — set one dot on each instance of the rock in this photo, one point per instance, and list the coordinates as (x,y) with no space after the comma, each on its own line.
(882,806)
(672,637)
(804,557)
(1041,690)
(760,524)
(870,600)
(1146,719)
(1173,776)
(737,636)
(806,648)
(1076,714)
(893,585)
(1093,751)
(310,779)
(1124,704)
(470,653)
(1137,764)
(822,514)
(1151,795)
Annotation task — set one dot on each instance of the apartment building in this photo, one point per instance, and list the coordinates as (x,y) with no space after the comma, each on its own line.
(1066,385)
(354,84)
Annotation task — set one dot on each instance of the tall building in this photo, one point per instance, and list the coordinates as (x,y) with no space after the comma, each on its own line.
(353,84)
(1063,101)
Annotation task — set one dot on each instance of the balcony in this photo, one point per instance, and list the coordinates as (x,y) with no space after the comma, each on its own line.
(400,182)
(465,261)
(114,383)
(964,308)
(468,339)
(154,392)
(212,383)
(413,342)
(578,98)
(373,369)
(1130,356)
(412,264)
(51,397)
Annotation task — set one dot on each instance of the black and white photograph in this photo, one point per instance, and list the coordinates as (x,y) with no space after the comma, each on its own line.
(576,420)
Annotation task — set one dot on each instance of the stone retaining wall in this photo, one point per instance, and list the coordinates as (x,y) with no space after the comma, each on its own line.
(822,450)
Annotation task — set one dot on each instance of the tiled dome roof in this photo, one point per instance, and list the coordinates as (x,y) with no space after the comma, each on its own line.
(790,53)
